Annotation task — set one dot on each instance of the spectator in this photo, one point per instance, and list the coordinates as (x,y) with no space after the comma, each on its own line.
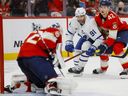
(18,7)
(4,8)
(71,7)
(55,8)
(90,5)
(82,3)
(41,8)
(121,9)
(0,8)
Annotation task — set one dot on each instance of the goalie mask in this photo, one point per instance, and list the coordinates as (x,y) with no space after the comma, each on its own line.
(57,26)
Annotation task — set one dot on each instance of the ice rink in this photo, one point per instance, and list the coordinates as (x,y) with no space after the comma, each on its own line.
(108,84)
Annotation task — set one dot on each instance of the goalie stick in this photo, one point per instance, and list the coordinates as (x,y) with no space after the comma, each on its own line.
(124,55)
(61,64)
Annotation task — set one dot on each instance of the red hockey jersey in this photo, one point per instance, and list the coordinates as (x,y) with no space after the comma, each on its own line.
(34,44)
(110,25)
(112,22)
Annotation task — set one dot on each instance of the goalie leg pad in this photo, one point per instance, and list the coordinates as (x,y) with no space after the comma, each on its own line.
(17,79)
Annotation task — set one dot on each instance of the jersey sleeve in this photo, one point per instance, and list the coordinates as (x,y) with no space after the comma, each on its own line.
(71,30)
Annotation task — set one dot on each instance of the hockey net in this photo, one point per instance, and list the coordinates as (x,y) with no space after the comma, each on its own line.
(11,37)
(1,58)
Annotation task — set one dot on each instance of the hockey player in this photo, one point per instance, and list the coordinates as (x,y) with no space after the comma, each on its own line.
(90,39)
(115,33)
(36,57)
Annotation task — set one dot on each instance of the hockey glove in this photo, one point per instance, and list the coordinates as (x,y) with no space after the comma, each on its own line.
(85,37)
(69,46)
(102,49)
(91,51)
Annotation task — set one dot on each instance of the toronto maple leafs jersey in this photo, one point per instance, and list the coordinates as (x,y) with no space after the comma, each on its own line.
(89,29)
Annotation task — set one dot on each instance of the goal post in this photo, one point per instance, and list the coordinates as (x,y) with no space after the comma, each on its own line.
(1,57)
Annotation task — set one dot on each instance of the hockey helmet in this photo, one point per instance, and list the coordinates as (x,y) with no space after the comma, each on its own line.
(80,11)
(57,26)
(105,2)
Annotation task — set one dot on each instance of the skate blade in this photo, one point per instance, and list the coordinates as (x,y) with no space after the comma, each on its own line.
(78,75)
(74,74)
(99,73)
(53,93)
(124,77)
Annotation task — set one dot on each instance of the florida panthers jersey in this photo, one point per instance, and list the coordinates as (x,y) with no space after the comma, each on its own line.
(111,22)
(34,45)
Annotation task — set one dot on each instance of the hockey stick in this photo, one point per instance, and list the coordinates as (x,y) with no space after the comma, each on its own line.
(74,56)
(124,55)
(50,53)
(37,28)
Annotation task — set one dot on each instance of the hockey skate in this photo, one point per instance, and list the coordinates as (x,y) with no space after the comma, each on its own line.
(8,89)
(98,71)
(76,71)
(124,74)
(51,88)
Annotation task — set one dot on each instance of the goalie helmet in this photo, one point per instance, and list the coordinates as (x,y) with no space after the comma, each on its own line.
(57,26)
(80,11)
(105,2)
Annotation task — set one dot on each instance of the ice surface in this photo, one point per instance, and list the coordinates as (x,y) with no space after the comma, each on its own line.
(108,84)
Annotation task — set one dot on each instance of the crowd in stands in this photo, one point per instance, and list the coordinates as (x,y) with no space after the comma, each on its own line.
(55,8)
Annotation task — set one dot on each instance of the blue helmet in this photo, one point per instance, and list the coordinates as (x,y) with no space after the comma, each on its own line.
(105,2)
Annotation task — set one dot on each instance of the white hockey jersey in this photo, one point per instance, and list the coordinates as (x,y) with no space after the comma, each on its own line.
(89,29)
(75,28)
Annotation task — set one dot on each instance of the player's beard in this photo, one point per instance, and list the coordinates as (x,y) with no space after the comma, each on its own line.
(81,21)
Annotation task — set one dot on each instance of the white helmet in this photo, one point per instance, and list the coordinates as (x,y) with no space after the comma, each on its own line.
(80,11)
